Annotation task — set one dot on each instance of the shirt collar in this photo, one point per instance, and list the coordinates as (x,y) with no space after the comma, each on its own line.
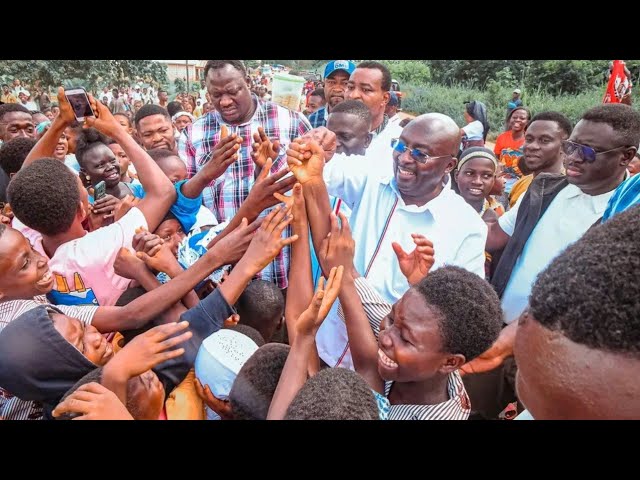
(377,131)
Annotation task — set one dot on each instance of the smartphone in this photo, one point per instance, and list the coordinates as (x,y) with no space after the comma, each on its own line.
(80,103)
(100,190)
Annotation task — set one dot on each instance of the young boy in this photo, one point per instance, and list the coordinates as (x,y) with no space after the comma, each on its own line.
(449,317)
(578,345)
(50,205)
(351,122)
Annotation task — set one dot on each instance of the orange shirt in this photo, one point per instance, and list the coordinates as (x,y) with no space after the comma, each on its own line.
(508,151)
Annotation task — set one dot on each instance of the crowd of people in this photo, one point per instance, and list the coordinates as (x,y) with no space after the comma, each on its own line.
(220,256)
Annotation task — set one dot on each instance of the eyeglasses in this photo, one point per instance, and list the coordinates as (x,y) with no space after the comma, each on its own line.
(585,152)
(418,155)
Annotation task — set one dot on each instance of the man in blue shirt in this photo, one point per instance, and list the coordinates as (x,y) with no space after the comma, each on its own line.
(336,76)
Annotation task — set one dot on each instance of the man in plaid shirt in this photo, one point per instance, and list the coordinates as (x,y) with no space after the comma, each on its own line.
(242,113)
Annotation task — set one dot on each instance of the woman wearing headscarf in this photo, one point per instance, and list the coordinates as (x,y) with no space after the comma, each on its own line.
(474,134)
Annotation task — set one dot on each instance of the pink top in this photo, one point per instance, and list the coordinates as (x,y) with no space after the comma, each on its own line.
(84,268)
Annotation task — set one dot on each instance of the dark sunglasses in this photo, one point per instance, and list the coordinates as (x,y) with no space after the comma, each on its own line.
(418,155)
(585,152)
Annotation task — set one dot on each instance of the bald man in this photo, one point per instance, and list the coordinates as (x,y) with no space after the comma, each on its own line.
(416,198)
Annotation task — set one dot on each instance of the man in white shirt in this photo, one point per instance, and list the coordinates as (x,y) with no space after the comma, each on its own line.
(388,209)
(555,212)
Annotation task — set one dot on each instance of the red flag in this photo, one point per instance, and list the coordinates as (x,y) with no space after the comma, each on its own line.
(619,83)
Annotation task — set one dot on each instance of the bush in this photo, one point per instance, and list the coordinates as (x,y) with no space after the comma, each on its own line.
(419,99)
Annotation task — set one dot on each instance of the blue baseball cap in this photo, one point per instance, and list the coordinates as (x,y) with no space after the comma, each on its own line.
(346,65)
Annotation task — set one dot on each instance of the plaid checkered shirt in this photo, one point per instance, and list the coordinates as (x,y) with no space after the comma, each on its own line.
(225,194)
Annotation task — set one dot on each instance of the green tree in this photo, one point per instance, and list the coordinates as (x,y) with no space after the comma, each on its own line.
(94,73)
(180,85)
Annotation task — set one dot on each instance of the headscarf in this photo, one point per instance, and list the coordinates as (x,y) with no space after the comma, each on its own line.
(36,361)
(476,152)
(478,111)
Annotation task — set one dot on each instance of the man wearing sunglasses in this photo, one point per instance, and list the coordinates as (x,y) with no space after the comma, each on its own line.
(387,209)
(555,212)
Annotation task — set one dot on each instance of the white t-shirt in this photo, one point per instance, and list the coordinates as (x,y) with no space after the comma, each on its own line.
(84,268)
(571,213)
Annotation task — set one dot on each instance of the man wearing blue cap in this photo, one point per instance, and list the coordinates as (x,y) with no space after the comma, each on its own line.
(336,77)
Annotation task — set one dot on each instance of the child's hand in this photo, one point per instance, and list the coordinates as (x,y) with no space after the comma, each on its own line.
(267,241)
(261,195)
(233,246)
(263,148)
(306,161)
(106,206)
(127,265)
(309,322)
(149,349)
(162,259)
(338,248)
(93,402)
(221,407)
(232,321)
(415,265)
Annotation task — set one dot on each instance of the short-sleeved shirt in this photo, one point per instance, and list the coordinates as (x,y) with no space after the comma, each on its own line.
(84,268)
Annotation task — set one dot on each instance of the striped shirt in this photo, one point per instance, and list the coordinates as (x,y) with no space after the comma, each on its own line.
(12,408)
(457,407)
(225,194)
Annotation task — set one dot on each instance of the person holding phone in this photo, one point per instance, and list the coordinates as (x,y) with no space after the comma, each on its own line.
(83,262)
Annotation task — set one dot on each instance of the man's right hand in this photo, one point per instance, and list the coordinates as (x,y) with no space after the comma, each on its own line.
(223,155)
(325,138)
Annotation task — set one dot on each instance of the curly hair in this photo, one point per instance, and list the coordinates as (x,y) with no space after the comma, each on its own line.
(470,315)
(256,382)
(45,196)
(12,107)
(250,332)
(261,306)
(88,139)
(624,120)
(14,152)
(591,292)
(334,394)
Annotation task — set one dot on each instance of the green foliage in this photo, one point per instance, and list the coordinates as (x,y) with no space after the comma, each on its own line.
(94,73)
(416,72)
(179,85)
(419,99)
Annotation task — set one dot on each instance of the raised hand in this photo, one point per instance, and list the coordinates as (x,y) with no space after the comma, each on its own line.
(66,111)
(309,322)
(415,265)
(323,137)
(261,195)
(93,402)
(223,155)
(106,206)
(263,149)
(305,160)
(267,241)
(232,321)
(128,265)
(233,246)
(150,348)
(338,248)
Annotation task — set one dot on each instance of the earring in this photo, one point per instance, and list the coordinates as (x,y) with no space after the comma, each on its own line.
(87,177)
